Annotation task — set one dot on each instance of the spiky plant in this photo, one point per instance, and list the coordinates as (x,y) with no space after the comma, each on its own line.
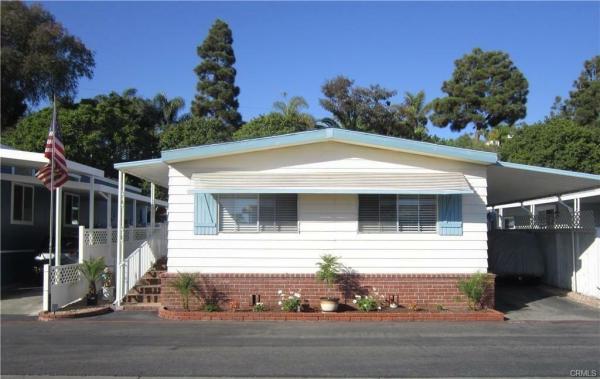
(329,269)
(92,271)
(185,284)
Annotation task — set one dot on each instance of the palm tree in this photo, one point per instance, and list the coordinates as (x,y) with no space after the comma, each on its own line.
(291,107)
(169,108)
(415,111)
(92,270)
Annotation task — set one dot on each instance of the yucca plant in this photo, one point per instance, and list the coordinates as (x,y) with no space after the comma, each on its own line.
(185,284)
(92,270)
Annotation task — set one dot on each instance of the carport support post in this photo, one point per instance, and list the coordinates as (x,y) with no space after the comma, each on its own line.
(91,205)
(120,235)
(152,206)
(58,227)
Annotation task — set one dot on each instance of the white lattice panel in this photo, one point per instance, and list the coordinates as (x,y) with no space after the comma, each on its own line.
(65,274)
(140,234)
(95,237)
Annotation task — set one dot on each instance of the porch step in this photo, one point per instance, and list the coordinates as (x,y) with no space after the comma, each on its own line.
(146,292)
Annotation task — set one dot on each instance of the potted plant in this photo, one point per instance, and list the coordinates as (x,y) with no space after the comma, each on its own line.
(92,270)
(329,269)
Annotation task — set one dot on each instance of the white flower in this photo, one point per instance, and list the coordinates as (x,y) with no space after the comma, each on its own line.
(297,295)
(279,292)
(354,301)
(280,303)
(374,289)
(290,297)
(379,307)
(357,296)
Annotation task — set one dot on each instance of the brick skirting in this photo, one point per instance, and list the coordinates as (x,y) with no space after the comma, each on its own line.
(227,289)
(484,315)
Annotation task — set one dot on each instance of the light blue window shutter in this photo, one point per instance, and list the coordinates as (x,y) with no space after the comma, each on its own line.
(205,214)
(450,221)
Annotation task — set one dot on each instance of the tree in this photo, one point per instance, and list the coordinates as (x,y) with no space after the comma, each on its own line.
(557,143)
(414,112)
(363,108)
(274,124)
(217,93)
(290,107)
(584,102)
(98,132)
(486,89)
(169,108)
(193,131)
(39,59)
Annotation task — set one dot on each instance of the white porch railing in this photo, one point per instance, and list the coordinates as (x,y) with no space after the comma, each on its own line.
(141,260)
(65,284)
(577,221)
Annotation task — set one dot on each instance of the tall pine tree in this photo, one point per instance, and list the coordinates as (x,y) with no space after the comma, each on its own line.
(217,92)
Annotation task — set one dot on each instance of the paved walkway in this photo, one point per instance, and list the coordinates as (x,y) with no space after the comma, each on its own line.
(140,344)
(21,301)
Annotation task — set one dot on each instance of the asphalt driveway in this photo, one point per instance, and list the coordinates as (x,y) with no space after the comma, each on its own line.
(21,301)
(140,344)
(540,303)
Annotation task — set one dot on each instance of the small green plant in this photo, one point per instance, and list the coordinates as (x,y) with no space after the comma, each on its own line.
(259,307)
(366,303)
(440,308)
(329,270)
(289,303)
(185,283)
(474,288)
(92,271)
(211,307)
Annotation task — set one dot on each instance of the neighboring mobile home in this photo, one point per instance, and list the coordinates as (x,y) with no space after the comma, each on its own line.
(87,199)
(408,218)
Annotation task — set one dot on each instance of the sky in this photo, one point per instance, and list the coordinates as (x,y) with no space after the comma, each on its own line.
(294,47)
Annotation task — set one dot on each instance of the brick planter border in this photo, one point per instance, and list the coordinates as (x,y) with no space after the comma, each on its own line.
(179,315)
(95,311)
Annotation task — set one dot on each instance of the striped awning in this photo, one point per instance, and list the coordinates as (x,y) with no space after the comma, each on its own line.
(330,182)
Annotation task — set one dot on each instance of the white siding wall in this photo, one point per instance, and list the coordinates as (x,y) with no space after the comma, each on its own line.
(327,223)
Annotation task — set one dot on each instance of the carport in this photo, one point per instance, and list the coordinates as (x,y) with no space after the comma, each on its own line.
(543,224)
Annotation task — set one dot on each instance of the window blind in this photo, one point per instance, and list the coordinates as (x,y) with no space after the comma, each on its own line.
(258,213)
(397,213)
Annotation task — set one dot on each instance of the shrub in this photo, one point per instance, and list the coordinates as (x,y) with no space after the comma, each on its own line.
(259,307)
(474,288)
(211,307)
(289,303)
(92,271)
(185,284)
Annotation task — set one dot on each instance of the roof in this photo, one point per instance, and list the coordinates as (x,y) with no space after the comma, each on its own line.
(11,156)
(329,135)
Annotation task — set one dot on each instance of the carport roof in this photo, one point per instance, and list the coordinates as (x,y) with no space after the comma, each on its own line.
(513,182)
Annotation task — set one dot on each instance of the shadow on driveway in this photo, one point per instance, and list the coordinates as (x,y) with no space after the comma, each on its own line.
(534,302)
(25,301)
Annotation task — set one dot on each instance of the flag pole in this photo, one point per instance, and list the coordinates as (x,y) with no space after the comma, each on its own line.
(50,246)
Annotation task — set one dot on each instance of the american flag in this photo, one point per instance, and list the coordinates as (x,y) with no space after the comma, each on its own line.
(55,152)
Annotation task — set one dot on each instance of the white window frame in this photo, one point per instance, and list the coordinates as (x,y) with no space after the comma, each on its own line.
(67,194)
(219,231)
(12,204)
(398,231)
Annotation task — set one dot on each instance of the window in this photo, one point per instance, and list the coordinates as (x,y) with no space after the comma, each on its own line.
(397,213)
(22,204)
(71,209)
(258,213)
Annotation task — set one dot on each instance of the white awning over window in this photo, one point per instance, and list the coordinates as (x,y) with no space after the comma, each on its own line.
(330,182)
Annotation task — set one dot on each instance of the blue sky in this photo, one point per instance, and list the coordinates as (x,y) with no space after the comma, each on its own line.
(295,47)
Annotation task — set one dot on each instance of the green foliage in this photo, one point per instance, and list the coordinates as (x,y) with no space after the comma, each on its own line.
(39,59)
(185,283)
(556,143)
(193,131)
(217,93)
(486,89)
(290,107)
(211,307)
(370,109)
(584,103)
(169,108)
(259,307)
(98,132)
(474,289)
(92,271)
(366,303)
(274,124)
(291,302)
(329,270)
(465,141)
